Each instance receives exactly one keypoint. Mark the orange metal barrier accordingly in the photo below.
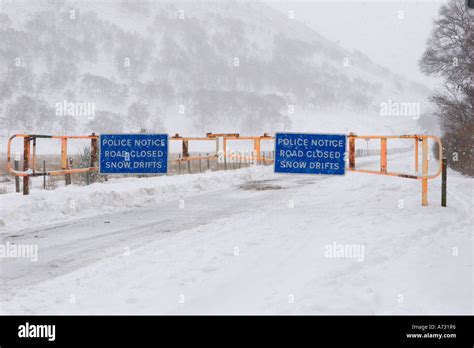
(424, 177)
(226, 137)
(185, 146)
(256, 147)
(29, 160)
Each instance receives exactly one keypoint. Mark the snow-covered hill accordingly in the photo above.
(188, 67)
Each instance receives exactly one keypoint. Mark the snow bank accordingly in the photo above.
(72, 202)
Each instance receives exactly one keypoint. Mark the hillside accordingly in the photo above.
(188, 67)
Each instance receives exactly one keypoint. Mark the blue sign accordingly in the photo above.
(133, 153)
(310, 153)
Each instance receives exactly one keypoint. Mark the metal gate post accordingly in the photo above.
(94, 151)
(64, 160)
(424, 181)
(383, 155)
(416, 155)
(17, 178)
(444, 174)
(351, 151)
(256, 148)
(94, 155)
(26, 165)
(33, 164)
(44, 175)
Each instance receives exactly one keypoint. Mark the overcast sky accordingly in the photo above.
(375, 27)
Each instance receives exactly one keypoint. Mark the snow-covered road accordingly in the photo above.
(260, 245)
(74, 244)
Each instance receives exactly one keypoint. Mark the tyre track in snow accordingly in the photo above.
(65, 247)
(213, 279)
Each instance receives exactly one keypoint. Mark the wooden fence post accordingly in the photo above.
(185, 148)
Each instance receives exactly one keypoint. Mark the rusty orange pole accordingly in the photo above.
(63, 153)
(424, 181)
(33, 164)
(64, 161)
(383, 155)
(351, 151)
(26, 165)
(256, 148)
(416, 155)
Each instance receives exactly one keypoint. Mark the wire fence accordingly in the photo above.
(201, 162)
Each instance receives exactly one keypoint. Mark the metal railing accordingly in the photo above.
(424, 177)
(29, 157)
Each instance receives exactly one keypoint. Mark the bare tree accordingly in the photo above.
(449, 55)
